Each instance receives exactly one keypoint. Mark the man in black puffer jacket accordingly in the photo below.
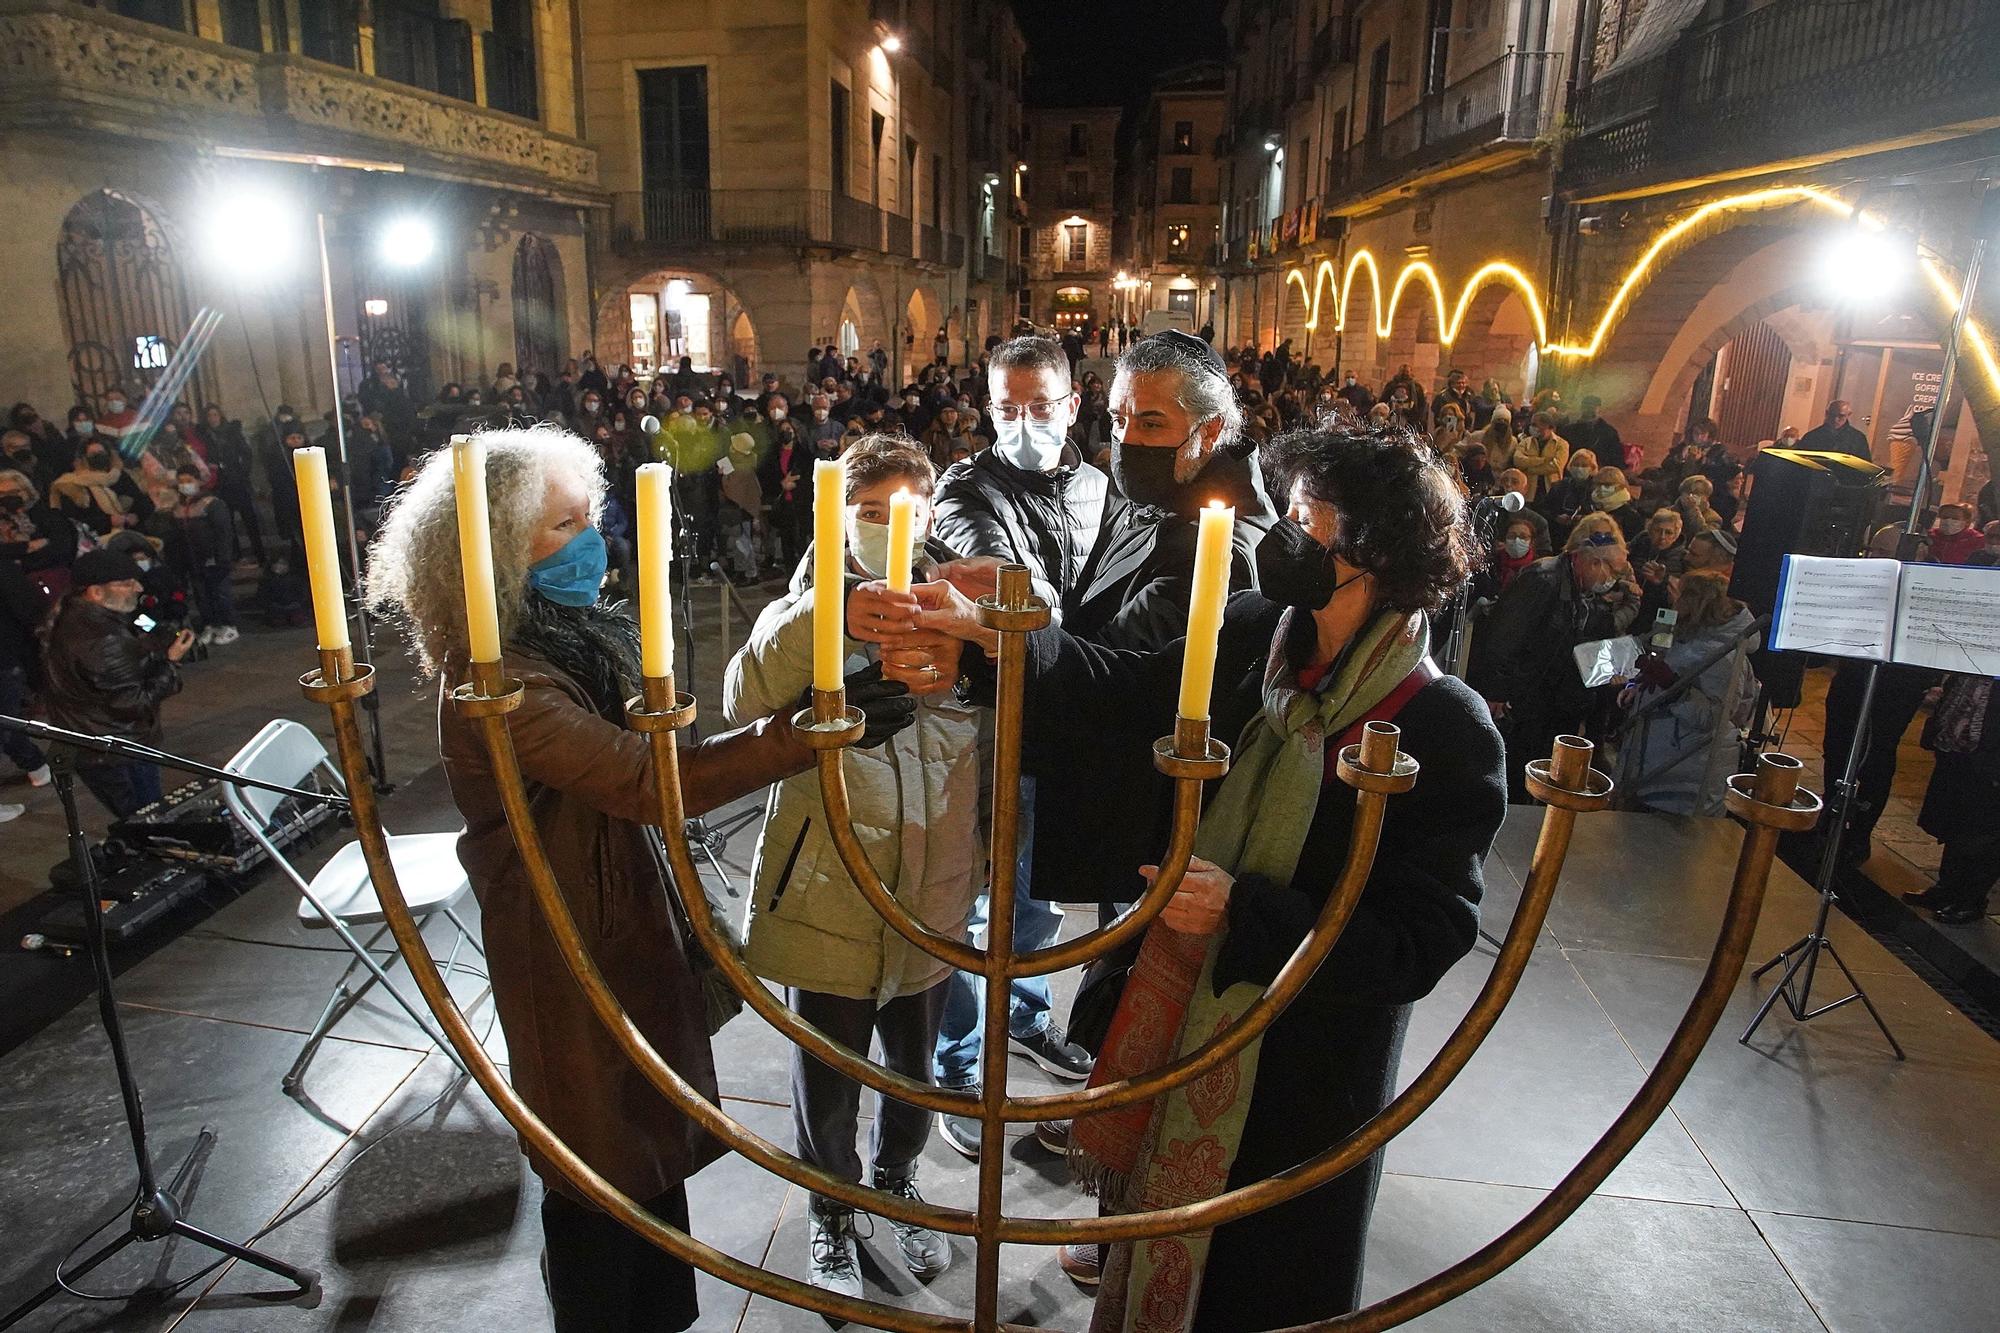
(108, 678)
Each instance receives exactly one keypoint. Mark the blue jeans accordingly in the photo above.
(1036, 925)
(122, 788)
(14, 702)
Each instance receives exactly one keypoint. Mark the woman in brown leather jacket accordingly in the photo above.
(590, 785)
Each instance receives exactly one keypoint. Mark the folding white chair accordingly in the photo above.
(341, 897)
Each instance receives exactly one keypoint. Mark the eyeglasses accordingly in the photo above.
(1042, 410)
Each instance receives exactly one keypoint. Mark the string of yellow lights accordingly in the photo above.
(1313, 291)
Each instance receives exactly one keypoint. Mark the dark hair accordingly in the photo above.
(1030, 353)
(875, 458)
(1402, 516)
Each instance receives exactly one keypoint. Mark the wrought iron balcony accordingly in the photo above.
(1788, 80)
(1507, 101)
(644, 221)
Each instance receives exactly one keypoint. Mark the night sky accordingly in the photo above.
(1106, 52)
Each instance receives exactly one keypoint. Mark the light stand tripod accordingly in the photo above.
(1484, 514)
(156, 1210)
(1801, 959)
(712, 840)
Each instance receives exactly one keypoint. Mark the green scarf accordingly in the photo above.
(1257, 825)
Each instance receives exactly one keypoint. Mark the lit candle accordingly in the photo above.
(322, 552)
(475, 547)
(902, 526)
(1211, 589)
(656, 554)
(829, 573)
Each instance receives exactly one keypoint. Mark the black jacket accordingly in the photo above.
(1048, 521)
(1832, 439)
(105, 677)
(21, 604)
(1521, 655)
(57, 530)
(1136, 585)
(1329, 1062)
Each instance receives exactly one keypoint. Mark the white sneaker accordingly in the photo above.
(833, 1261)
(40, 777)
(8, 812)
(206, 637)
(225, 635)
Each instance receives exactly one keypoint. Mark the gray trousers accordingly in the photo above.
(825, 1104)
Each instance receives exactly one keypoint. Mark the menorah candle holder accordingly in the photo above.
(1769, 801)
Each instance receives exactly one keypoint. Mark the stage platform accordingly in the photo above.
(1806, 1182)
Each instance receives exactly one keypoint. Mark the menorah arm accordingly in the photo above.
(659, 715)
(1377, 769)
(1772, 806)
(338, 685)
(1570, 786)
(627, 1035)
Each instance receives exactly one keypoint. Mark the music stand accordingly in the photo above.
(156, 1211)
(1801, 958)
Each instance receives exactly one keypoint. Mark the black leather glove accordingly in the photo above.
(886, 704)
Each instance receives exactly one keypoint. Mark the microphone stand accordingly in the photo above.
(156, 1209)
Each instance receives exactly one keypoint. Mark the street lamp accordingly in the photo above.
(1865, 263)
(256, 233)
(892, 43)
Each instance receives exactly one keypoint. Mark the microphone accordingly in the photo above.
(649, 425)
(1510, 501)
(33, 942)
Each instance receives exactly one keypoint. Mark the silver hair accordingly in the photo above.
(414, 574)
(15, 479)
(1204, 393)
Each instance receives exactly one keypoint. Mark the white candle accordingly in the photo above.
(829, 573)
(1211, 590)
(475, 547)
(902, 528)
(322, 551)
(656, 556)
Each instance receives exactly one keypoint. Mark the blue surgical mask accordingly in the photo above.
(572, 576)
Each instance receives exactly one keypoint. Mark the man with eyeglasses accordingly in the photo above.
(1837, 435)
(1033, 500)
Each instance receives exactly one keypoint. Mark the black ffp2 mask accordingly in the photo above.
(1295, 570)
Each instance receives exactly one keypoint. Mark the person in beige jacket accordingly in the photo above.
(1542, 454)
(917, 810)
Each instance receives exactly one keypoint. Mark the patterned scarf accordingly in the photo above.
(1179, 1148)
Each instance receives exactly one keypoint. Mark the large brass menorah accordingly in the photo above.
(1769, 802)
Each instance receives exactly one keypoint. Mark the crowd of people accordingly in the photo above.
(1373, 529)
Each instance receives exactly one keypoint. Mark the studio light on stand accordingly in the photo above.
(1865, 264)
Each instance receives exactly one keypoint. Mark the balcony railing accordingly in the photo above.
(419, 49)
(987, 266)
(898, 235)
(675, 217)
(510, 77)
(954, 250)
(930, 244)
(1017, 276)
(1511, 99)
(1791, 78)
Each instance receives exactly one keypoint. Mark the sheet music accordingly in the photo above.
(1844, 608)
(1950, 618)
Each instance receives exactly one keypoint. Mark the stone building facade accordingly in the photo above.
(1176, 200)
(1071, 190)
(784, 175)
(126, 140)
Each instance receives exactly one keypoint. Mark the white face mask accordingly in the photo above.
(116, 405)
(1951, 527)
(1031, 445)
(1607, 494)
(778, 414)
(819, 414)
(1517, 547)
(869, 543)
(189, 488)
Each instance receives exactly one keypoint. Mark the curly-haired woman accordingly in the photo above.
(1374, 537)
(590, 783)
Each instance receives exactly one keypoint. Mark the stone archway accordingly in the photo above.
(541, 328)
(125, 307)
(1496, 339)
(652, 317)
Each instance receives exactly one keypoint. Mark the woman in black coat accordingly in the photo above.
(1374, 536)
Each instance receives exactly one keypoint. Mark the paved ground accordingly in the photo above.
(1806, 1182)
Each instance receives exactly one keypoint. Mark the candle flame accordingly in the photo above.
(1215, 504)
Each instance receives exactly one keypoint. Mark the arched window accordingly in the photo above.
(540, 330)
(124, 303)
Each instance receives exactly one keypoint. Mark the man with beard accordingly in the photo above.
(1174, 423)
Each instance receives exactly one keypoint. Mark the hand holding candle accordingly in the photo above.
(829, 573)
(322, 553)
(656, 553)
(1211, 589)
(475, 547)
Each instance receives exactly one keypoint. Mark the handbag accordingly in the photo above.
(720, 1001)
